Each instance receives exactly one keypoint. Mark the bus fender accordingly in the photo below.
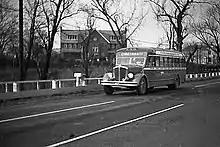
(138, 77)
(107, 76)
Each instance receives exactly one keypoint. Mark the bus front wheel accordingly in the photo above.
(142, 88)
(108, 90)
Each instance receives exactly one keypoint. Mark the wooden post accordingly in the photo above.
(99, 81)
(77, 81)
(59, 84)
(38, 85)
(6, 87)
(15, 87)
(54, 84)
(77, 76)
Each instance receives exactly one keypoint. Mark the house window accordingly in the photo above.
(79, 46)
(64, 45)
(69, 45)
(113, 46)
(113, 38)
(72, 37)
(74, 45)
(95, 49)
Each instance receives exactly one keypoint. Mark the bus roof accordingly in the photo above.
(154, 50)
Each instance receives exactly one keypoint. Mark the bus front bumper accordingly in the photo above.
(119, 83)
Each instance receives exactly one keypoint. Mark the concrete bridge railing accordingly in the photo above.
(78, 80)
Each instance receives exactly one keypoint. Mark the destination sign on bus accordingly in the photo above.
(167, 53)
(131, 54)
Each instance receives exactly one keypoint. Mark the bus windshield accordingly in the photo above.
(130, 61)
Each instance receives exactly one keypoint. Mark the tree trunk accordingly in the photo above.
(21, 47)
(179, 42)
(218, 58)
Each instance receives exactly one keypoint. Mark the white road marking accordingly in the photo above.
(203, 85)
(53, 112)
(114, 126)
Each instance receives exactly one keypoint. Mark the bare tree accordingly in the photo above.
(177, 13)
(89, 27)
(31, 14)
(208, 29)
(169, 36)
(123, 24)
(54, 11)
(8, 25)
(190, 49)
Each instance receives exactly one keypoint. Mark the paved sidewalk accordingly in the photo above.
(50, 92)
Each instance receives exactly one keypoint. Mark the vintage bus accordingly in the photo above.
(141, 69)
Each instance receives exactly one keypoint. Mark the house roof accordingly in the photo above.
(74, 32)
(105, 34)
(106, 38)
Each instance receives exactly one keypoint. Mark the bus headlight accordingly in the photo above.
(130, 75)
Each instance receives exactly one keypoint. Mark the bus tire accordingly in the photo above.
(142, 87)
(176, 84)
(108, 90)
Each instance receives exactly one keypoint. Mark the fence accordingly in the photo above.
(46, 84)
(78, 81)
(202, 76)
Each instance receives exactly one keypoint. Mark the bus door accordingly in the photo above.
(166, 67)
(171, 68)
(153, 71)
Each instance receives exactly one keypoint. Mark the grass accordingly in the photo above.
(12, 74)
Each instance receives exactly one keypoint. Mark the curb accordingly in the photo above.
(26, 95)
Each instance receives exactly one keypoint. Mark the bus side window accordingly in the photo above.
(161, 62)
(168, 62)
(171, 62)
(151, 61)
(183, 62)
(177, 62)
(165, 61)
(157, 61)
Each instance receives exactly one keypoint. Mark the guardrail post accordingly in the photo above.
(77, 76)
(37, 85)
(6, 87)
(99, 81)
(15, 87)
(196, 75)
(83, 80)
(59, 84)
(53, 84)
(77, 81)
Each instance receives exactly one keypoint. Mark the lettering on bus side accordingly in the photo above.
(132, 54)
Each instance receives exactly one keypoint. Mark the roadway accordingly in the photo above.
(188, 116)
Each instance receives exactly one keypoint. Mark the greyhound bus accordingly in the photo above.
(141, 69)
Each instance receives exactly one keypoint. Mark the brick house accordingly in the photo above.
(102, 44)
(202, 56)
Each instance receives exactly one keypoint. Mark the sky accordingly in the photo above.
(149, 34)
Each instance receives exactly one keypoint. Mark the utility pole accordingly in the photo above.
(21, 48)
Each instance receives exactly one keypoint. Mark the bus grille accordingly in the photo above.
(120, 73)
